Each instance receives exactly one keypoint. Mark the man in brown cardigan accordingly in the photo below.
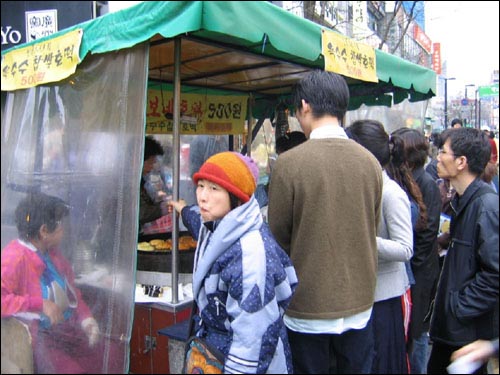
(324, 206)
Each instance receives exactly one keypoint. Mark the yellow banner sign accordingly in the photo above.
(39, 63)
(348, 57)
(200, 114)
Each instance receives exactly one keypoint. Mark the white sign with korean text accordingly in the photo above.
(40, 23)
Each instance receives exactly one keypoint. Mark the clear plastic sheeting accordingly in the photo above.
(80, 140)
(403, 115)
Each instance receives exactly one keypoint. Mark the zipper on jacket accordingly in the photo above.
(453, 208)
(217, 303)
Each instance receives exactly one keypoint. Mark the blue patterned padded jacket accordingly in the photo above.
(242, 282)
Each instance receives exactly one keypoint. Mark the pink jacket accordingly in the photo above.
(21, 272)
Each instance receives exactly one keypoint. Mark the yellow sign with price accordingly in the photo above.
(48, 61)
(348, 57)
(200, 113)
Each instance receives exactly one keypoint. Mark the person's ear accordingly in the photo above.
(462, 162)
(43, 231)
(305, 106)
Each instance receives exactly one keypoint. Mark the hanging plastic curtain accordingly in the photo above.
(71, 163)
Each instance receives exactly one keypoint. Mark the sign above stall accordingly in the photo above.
(42, 62)
(348, 57)
(200, 113)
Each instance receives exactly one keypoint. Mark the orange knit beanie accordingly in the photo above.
(236, 173)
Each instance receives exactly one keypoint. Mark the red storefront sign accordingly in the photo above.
(436, 57)
(422, 38)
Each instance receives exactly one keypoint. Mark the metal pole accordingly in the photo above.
(479, 114)
(471, 114)
(446, 100)
(475, 110)
(467, 99)
(250, 125)
(446, 103)
(176, 168)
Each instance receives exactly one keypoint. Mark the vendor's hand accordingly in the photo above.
(91, 329)
(53, 312)
(178, 205)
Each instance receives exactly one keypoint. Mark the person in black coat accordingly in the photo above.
(425, 260)
(447, 192)
(466, 303)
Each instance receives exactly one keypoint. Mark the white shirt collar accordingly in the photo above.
(29, 245)
(328, 131)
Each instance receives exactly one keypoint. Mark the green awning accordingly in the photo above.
(265, 49)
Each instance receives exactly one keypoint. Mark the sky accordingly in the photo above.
(469, 36)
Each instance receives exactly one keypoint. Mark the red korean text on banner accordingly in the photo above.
(436, 57)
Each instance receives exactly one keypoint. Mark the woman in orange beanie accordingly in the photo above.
(242, 279)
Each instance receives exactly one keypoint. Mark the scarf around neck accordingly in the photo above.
(231, 228)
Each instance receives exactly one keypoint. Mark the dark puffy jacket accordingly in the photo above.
(425, 260)
(466, 303)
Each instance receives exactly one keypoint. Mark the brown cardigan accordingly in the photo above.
(324, 205)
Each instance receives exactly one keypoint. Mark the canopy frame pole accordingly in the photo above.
(176, 168)
(249, 125)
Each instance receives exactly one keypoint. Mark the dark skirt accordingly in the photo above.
(389, 335)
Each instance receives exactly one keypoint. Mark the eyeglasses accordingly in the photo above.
(441, 151)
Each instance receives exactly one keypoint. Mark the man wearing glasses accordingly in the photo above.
(466, 303)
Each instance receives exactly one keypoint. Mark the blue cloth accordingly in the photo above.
(415, 212)
(354, 350)
(494, 183)
(419, 354)
(50, 275)
(261, 195)
(388, 329)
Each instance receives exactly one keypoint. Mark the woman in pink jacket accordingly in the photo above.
(38, 288)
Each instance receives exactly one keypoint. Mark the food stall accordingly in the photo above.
(77, 105)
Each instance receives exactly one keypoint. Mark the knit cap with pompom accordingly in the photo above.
(236, 173)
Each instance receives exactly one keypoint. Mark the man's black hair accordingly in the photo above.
(152, 148)
(473, 144)
(327, 93)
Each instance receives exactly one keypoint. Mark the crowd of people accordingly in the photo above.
(364, 245)
(343, 274)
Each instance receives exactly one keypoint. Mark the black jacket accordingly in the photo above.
(431, 168)
(148, 209)
(466, 304)
(425, 260)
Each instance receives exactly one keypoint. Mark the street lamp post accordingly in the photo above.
(479, 113)
(467, 100)
(469, 85)
(477, 124)
(446, 100)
